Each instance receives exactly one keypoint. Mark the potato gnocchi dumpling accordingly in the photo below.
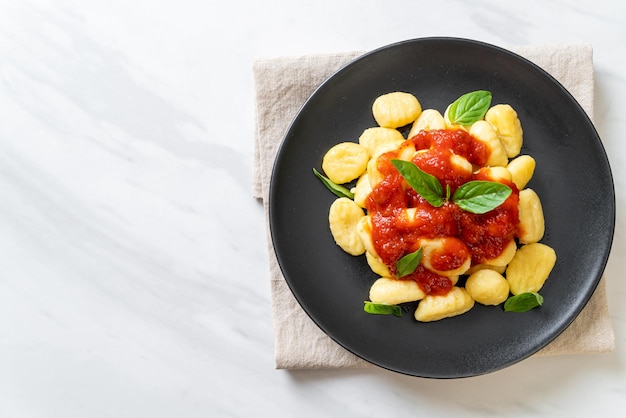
(343, 217)
(377, 265)
(461, 164)
(375, 138)
(487, 287)
(530, 268)
(431, 237)
(374, 176)
(396, 109)
(436, 250)
(429, 119)
(522, 169)
(505, 256)
(394, 292)
(433, 307)
(345, 162)
(484, 132)
(364, 230)
(361, 190)
(499, 174)
(508, 126)
(531, 221)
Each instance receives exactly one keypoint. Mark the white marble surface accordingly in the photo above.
(133, 267)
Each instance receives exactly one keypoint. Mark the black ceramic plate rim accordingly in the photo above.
(283, 256)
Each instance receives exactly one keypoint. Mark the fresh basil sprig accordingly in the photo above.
(408, 263)
(481, 196)
(382, 309)
(523, 302)
(427, 185)
(469, 108)
(337, 189)
(476, 196)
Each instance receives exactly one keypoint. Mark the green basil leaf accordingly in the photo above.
(469, 108)
(481, 196)
(523, 302)
(382, 309)
(338, 190)
(408, 263)
(427, 185)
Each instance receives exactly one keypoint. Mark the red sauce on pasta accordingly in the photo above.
(431, 283)
(401, 217)
(450, 256)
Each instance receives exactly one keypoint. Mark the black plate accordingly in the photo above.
(572, 177)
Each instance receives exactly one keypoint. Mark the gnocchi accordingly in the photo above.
(508, 127)
(345, 162)
(522, 169)
(434, 249)
(428, 120)
(530, 268)
(484, 132)
(397, 221)
(375, 138)
(393, 292)
(531, 221)
(361, 190)
(396, 109)
(343, 217)
(436, 307)
(377, 265)
(487, 287)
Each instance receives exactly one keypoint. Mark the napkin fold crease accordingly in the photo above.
(282, 85)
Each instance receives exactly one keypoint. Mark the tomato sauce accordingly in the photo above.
(401, 217)
(431, 283)
(450, 256)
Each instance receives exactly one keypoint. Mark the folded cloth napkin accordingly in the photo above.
(282, 85)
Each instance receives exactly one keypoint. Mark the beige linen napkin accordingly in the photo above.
(282, 86)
